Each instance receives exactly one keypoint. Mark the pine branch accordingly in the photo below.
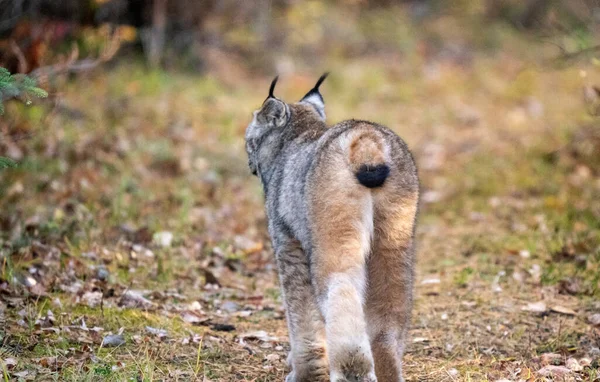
(18, 85)
(7, 163)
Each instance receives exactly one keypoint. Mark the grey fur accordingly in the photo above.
(287, 146)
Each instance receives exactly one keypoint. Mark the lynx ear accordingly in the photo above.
(274, 113)
(315, 99)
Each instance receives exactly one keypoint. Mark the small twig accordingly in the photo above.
(198, 357)
(20, 56)
(572, 56)
(102, 304)
(72, 65)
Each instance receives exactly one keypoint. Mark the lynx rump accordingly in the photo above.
(341, 203)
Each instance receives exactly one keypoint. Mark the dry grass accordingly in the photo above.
(510, 217)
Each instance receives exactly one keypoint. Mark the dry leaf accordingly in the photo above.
(536, 307)
(563, 310)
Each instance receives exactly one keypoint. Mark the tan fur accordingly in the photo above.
(366, 148)
(356, 228)
(342, 204)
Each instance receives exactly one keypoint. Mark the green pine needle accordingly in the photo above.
(18, 85)
(7, 163)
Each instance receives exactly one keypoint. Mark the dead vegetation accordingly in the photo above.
(133, 239)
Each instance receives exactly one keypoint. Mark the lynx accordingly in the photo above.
(341, 203)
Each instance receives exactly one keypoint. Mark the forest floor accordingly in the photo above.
(134, 242)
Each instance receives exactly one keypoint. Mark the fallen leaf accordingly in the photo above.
(135, 299)
(573, 365)
(10, 362)
(272, 357)
(563, 310)
(585, 362)
(192, 318)
(536, 307)
(113, 340)
(260, 335)
(551, 371)
(595, 319)
(157, 332)
(246, 245)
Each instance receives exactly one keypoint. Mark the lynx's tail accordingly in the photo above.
(367, 156)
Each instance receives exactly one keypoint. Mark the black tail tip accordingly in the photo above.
(372, 176)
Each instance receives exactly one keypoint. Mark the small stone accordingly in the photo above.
(595, 319)
(163, 238)
(102, 274)
(113, 340)
(195, 306)
(230, 306)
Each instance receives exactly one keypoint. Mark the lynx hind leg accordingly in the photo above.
(390, 274)
(342, 222)
(306, 329)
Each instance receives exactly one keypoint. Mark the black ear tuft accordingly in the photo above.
(315, 98)
(320, 81)
(272, 88)
(315, 89)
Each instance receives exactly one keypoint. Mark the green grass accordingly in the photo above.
(163, 151)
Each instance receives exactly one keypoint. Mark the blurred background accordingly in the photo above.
(133, 240)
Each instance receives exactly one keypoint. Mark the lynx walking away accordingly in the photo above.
(341, 203)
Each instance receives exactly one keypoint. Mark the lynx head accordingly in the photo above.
(266, 132)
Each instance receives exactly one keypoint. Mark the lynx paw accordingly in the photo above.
(355, 366)
(370, 377)
(310, 366)
(314, 377)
